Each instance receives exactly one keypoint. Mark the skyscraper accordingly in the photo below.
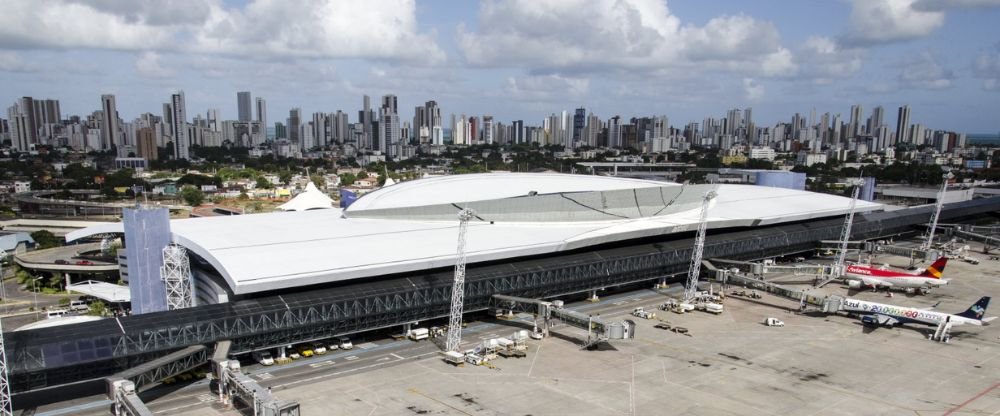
(365, 117)
(109, 122)
(294, 126)
(146, 143)
(855, 124)
(178, 120)
(262, 117)
(243, 105)
(579, 123)
(389, 101)
(488, 136)
(876, 120)
(903, 124)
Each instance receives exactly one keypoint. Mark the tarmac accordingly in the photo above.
(730, 364)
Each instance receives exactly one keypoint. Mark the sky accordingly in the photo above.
(514, 59)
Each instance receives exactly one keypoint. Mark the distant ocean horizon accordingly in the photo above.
(983, 139)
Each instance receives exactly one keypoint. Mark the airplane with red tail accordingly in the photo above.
(858, 276)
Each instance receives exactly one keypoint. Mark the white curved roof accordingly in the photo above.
(485, 186)
(270, 251)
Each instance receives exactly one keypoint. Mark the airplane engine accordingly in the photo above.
(854, 284)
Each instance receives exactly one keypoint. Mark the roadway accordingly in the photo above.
(366, 356)
(48, 260)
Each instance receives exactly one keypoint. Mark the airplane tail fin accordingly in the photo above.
(977, 310)
(935, 270)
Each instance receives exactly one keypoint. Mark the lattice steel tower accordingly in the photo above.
(176, 275)
(699, 247)
(937, 212)
(6, 409)
(458, 289)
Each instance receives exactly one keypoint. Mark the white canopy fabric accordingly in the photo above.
(108, 292)
(311, 198)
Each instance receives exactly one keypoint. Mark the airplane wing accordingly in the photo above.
(931, 307)
(870, 281)
(878, 320)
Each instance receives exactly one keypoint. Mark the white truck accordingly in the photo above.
(710, 307)
(419, 334)
(641, 313)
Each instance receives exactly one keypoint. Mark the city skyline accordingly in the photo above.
(687, 60)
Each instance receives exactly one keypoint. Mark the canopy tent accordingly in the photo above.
(311, 198)
(107, 292)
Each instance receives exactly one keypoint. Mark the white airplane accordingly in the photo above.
(878, 314)
(860, 275)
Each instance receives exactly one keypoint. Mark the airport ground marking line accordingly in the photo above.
(539, 348)
(971, 399)
(631, 389)
(418, 392)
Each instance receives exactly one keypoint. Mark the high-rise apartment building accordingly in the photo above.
(243, 106)
(579, 123)
(146, 143)
(262, 117)
(109, 122)
(294, 126)
(903, 124)
(178, 121)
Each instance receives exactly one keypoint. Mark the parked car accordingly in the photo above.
(294, 355)
(79, 306)
(265, 358)
(345, 343)
(305, 350)
(318, 348)
(332, 345)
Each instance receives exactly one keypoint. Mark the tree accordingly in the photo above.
(97, 308)
(263, 183)
(318, 180)
(285, 177)
(347, 179)
(44, 239)
(192, 196)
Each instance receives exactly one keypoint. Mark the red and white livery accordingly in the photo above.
(866, 276)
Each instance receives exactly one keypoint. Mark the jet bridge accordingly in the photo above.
(242, 391)
(597, 330)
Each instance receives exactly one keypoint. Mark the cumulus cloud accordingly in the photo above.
(987, 67)
(938, 5)
(600, 35)
(546, 87)
(883, 21)
(924, 72)
(384, 29)
(752, 89)
(149, 65)
(824, 60)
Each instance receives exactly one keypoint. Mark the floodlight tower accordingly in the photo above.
(845, 234)
(458, 288)
(699, 247)
(6, 409)
(937, 211)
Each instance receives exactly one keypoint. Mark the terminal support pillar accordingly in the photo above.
(593, 296)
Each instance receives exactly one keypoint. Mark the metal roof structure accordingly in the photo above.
(413, 225)
(108, 292)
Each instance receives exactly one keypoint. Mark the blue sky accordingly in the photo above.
(514, 59)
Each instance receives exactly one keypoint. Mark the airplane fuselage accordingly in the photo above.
(876, 277)
(905, 314)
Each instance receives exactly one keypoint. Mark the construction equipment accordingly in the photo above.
(699, 247)
(458, 288)
(937, 211)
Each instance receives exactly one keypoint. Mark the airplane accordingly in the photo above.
(875, 278)
(878, 314)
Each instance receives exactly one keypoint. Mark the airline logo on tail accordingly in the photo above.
(935, 270)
